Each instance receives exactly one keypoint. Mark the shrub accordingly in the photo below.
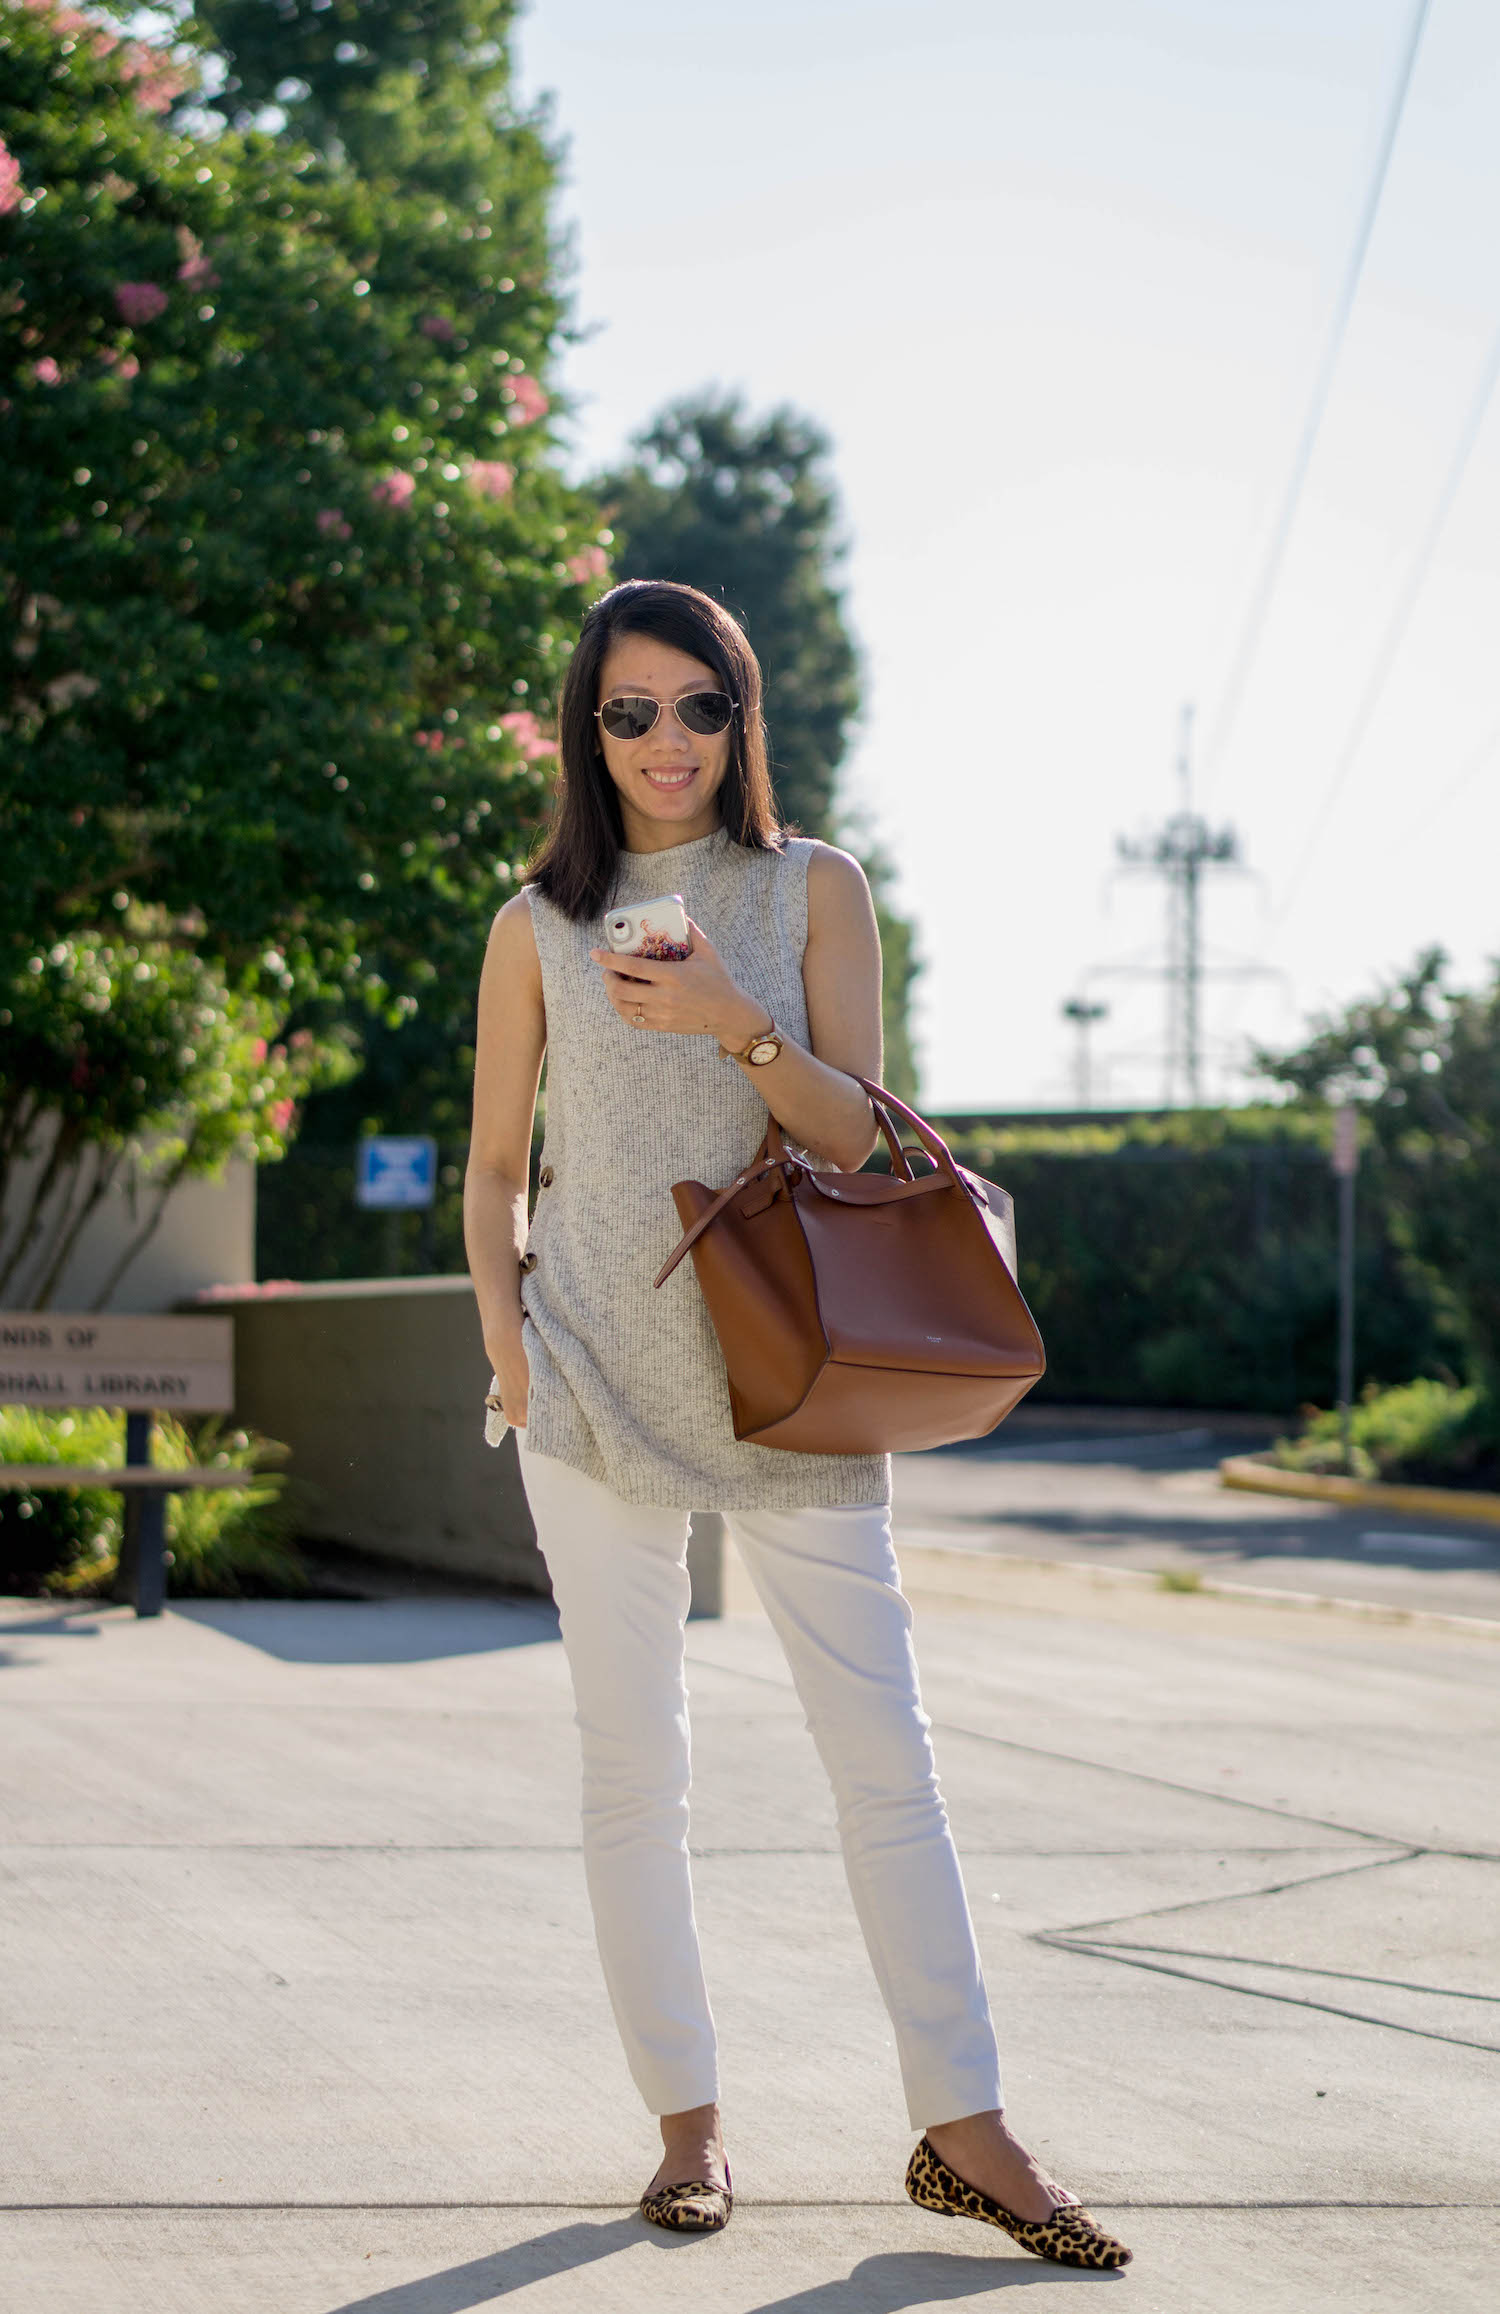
(232, 1543)
(47, 1531)
(1424, 1432)
(1192, 1260)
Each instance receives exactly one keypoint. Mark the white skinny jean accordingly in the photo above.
(829, 1582)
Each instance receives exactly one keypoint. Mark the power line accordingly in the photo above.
(1396, 626)
(1270, 572)
(1423, 820)
(1391, 641)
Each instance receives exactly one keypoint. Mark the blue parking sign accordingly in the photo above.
(396, 1171)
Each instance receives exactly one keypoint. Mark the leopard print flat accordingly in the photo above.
(1071, 2237)
(695, 2207)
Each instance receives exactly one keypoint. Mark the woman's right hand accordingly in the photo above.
(514, 1376)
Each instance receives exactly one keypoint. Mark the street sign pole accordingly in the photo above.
(1345, 1166)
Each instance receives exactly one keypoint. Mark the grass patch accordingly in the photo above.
(1178, 1579)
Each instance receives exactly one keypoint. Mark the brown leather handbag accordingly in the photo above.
(862, 1312)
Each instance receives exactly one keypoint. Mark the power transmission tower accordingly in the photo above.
(1179, 852)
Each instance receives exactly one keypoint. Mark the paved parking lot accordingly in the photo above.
(1141, 1491)
(303, 2015)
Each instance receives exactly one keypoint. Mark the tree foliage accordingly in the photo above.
(286, 543)
(128, 1058)
(1423, 1060)
(743, 508)
(288, 565)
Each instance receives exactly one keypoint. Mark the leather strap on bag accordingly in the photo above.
(774, 1156)
(711, 1212)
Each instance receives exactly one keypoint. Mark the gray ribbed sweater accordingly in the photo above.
(628, 1384)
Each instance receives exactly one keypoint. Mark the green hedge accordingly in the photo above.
(1188, 1260)
(1192, 1261)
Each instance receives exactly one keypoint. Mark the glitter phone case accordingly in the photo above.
(656, 929)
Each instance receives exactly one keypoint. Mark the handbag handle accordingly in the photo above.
(774, 1146)
(932, 1141)
(773, 1154)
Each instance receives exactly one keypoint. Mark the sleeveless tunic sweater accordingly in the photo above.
(628, 1384)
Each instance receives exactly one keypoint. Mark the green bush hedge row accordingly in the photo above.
(1188, 1260)
(1193, 1261)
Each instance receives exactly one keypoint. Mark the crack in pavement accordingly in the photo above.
(1124, 1950)
(741, 2200)
(1074, 1937)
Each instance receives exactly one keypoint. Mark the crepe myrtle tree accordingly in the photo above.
(288, 566)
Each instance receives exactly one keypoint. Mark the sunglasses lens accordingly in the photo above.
(705, 711)
(629, 718)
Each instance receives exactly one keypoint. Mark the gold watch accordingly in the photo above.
(763, 1047)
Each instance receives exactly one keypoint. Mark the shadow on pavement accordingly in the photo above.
(880, 2285)
(1331, 1538)
(901, 2278)
(481, 2280)
(375, 1630)
(1188, 1446)
(66, 1623)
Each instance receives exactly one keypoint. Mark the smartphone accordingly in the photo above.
(656, 929)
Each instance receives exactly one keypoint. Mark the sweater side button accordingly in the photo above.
(528, 1264)
(546, 1177)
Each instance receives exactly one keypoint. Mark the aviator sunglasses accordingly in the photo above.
(631, 714)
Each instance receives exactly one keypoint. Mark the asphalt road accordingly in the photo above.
(1141, 1490)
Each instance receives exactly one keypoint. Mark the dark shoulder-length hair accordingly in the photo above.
(576, 863)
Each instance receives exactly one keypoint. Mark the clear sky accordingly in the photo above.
(1057, 278)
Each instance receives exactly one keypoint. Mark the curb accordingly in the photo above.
(1443, 1502)
(974, 1590)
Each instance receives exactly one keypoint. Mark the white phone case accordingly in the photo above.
(656, 929)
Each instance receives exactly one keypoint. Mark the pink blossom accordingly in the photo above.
(332, 524)
(491, 477)
(195, 269)
(436, 325)
(527, 733)
(123, 365)
(139, 301)
(591, 562)
(282, 1113)
(10, 180)
(258, 1050)
(432, 739)
(527, 399)
(153, 79)
(393, 490)
(46, 372)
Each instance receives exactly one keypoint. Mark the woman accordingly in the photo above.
(659, 1072)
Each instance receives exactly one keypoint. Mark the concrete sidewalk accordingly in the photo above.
(304, 2014)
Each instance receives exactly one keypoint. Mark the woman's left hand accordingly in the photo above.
(693, 997)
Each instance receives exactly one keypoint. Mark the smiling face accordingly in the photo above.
(668, 783)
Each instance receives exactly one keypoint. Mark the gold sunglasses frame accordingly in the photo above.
(698, 693)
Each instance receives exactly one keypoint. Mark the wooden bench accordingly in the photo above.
(144, 1366)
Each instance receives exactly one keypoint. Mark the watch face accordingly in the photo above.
(765, 1050)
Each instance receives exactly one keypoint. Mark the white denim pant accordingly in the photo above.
(829, 1582)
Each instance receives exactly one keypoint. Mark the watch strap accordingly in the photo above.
(761, 1036)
